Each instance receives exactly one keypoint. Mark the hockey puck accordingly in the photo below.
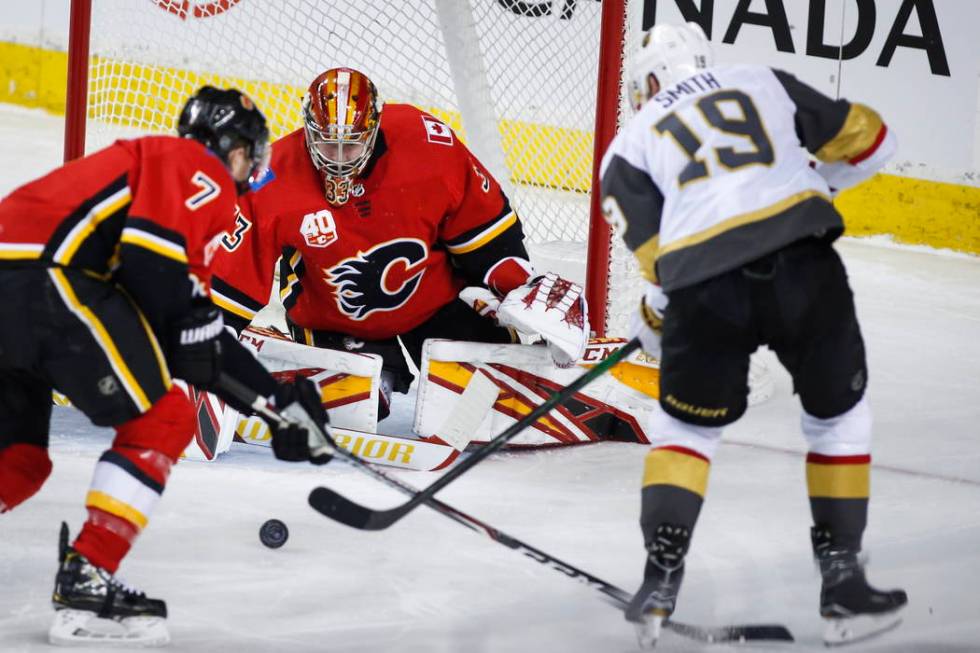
(273, 533)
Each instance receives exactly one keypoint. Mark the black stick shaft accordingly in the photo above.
(617, 596)
(320, 499)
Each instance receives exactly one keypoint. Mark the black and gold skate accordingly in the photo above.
(656, 599)
(92, 605)
(853, 610)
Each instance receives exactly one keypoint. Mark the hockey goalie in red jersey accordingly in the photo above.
(107, 261)
(379, 219)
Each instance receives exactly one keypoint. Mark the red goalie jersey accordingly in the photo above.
(424, 220)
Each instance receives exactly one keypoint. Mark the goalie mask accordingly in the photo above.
(667, 54)
(341, 117)
(223, 119)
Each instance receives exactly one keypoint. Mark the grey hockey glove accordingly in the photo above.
(647, 323)
(194, 354)
(302, 439)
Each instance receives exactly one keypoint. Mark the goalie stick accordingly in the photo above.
(342, 509)
(320, 500)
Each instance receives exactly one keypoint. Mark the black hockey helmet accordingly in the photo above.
(223, 119)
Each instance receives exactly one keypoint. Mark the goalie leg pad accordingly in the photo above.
(614, 406)
(350, 383)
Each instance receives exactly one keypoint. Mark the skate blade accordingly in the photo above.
(82, 628)
(850, 630)
(648, 630)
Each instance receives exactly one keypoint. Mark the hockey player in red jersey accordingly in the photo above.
(381, 218)
(712, 185)
(107, 260)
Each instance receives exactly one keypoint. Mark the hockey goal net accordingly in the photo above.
(519, 80)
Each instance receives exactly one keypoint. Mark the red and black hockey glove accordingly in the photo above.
(194, 352)
(299, 401)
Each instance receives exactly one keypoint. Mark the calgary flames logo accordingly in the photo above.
(364, 282)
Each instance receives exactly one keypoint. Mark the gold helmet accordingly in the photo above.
(341, 117)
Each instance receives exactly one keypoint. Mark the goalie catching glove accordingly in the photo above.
(302, 438)
(648, 321)
(553, 308)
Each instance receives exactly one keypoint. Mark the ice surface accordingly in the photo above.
(430, 586)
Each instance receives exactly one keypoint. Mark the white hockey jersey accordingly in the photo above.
(712, 172)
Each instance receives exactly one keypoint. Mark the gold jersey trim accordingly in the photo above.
(856, 135)
(485, 236)
(738, 221)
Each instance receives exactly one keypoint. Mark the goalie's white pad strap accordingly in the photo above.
(467, 412)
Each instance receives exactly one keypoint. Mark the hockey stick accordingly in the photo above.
(321, 501)
(342, 509)
(355, 515)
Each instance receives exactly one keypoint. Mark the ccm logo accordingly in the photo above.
(595, 354)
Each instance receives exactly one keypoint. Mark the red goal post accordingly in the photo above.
(532, 86)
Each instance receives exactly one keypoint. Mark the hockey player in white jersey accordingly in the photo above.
(712, 187)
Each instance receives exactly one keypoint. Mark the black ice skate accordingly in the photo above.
(854, 611)
(93, 606)
(654, 602)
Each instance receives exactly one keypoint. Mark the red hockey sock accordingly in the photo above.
(105, 539)
(126, 486)
(23, 470)
(130, 477)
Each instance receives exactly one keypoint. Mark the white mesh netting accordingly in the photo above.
(516, 79)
